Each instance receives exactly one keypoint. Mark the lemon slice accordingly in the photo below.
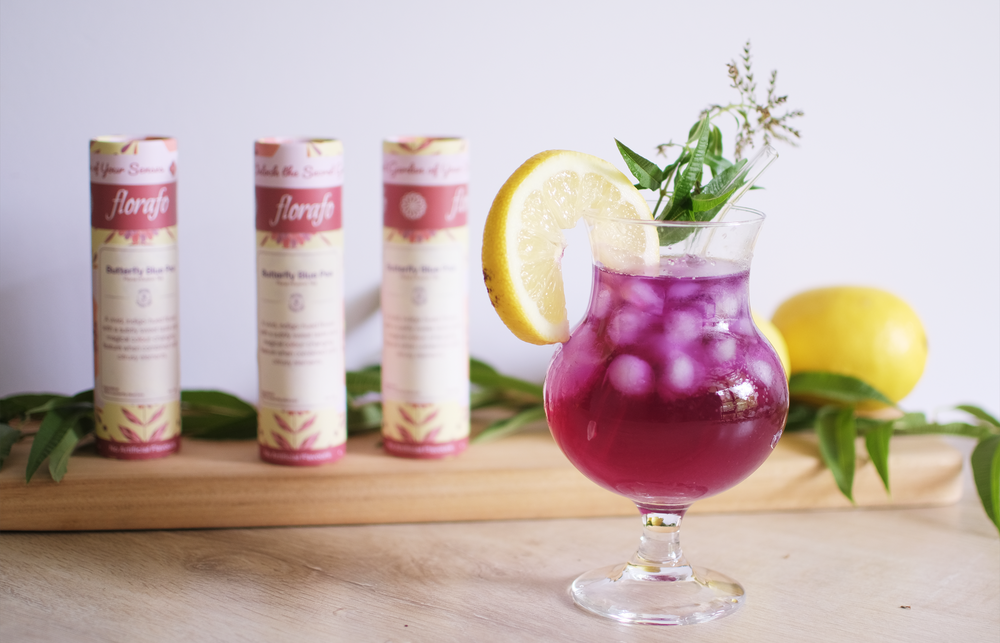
(523, 241)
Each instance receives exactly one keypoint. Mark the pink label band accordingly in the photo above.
(138, 450)
(302, 457)
(424, 450)
(298, 210)
(425, 207)
(133, 207)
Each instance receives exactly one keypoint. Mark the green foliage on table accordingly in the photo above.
(214, 415)
(67, 422)
(825, 402)
(490, 388)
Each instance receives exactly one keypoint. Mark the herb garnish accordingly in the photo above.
(678, 185)
(67, 422)
(823, 402)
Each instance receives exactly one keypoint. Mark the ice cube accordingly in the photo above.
(580, 361)
(682, 326)
(727, 306)
(642, 295)
(631, 375)
(742, 326)
(626, 325)
(680, 372)
(602, 306)
(725, 349)
(763, 371)
(684, 290)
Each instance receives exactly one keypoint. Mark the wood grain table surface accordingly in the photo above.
(908, 575)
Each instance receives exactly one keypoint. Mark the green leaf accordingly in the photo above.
(909, 421)
(214, 415)
(702, 202)
(8, 437)
(59, 458)
(484, 375)
(502, 428)
(17, 406)
(695, 133)
(647, 172)
(907, 427)
(800, 416)
(717, 191)
(483, 397)
(669, 235)
(84, 396)
(680, 200)
(877, 443)
(480, 372)
(715, 143)
(684, 158)
(53, 429)
(42, 409)
(836, 431)
(367, 417)
(986, 473)
(979, 413)
(244, 428)
(367, 380)
(717, 164)
(214, 402)
(831, 387)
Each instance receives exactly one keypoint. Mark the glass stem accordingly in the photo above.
(659, 551)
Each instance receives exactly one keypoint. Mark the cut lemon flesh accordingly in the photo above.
(523, 241)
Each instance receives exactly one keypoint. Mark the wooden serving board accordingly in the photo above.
(225, 484)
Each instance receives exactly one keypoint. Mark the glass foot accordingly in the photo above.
(652, 595)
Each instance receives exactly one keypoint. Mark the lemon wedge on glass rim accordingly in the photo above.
(523, 241)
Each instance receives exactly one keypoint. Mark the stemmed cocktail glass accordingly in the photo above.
(666, 393)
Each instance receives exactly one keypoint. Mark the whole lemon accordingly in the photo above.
(866, 333)
(774, 336)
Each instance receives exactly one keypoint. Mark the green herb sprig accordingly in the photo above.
(678, 185)
(490, 388)
(67, 422)
(822, 402)
(827, 402)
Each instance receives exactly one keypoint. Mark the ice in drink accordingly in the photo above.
(666, 392)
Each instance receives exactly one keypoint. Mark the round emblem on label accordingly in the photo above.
(144, 298)
(419, 295)
(413, 205)
(296, 302)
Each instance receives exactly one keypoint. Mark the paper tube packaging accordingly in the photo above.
(425, 353)
(133, 187)
(300, 301)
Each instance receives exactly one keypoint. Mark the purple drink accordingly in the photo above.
(667, 392)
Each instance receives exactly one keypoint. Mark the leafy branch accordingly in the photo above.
(678, 185)
(827, 402)
(67, 422)
(490, 389)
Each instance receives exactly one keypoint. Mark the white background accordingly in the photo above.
(895, 184)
